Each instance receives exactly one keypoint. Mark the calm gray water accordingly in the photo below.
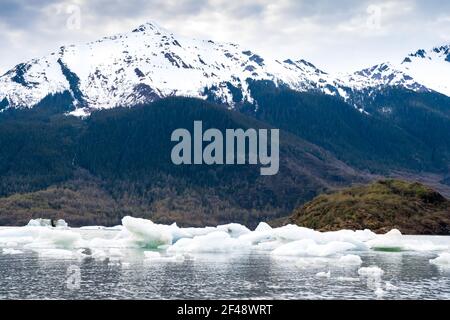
(219, 276)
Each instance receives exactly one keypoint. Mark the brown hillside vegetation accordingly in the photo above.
(380, 206)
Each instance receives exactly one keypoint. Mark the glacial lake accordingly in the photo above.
(129, 273)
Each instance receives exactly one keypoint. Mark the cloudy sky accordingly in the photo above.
(342, 35)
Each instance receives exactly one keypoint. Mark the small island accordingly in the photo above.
(380, 206)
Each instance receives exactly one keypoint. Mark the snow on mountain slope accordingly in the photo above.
(151, 63)
(431, 68)
(380, 75)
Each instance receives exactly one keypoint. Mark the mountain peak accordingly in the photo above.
(437, 52)
(150, 26)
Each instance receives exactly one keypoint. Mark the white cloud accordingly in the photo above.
(347, 36)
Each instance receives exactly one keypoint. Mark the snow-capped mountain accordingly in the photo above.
(424, 70)
(151, 63)
(430, 67)
(384, 74)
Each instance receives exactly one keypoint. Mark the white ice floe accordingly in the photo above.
(311, 262)
(11, 251)
(349, 260)
(379, 292)
(147, 233)
(338, 248)
(262, 226)
(234, 229)
(152, 255)
(389, 286)
(309, 247)
(40, 237)
(98, 254)
(347, 279)
(372, 275)
(214, 242)
(52, 238)
(442, 260)
(395, 241)
(323, 274)
(371, 272)
(58, 254)
(93, 228)
(47, 223)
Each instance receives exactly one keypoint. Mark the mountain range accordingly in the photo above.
(85, 131)
(150, 63)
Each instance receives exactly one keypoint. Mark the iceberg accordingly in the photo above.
(35, 237)
(146, 233)
(323, 274)
(442, 260)
(350, 260)
(371, 272)
(214, 242)
(308, 247)
(58, 254)
(11, 251)
(47, 223)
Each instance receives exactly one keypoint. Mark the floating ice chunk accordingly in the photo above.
(193, 232)
(92, 228)
(99, 255)
(293, 232)
(342, 236)
(308, 263)
(266, 245)
(365, 235)
(373, 276)
(61, 224)
(11, 251)
(146, 233)
(152, 255)
(308, 247)
(115, 252)
(257, 237)
(323, 274)
(53, 238)
(40, 237)
(47, 223)
(371, 272)
(347, 279)
(57, 254)
(18, 235)
(442, 260)
(177, 233)
(262, 226)
(103, 243)
(395, 241)
(234, 229)
(39, 223)
(350, 260)
(379, 292)
(215, 242)
(389, 286)
(393, 233)
(120, 227)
